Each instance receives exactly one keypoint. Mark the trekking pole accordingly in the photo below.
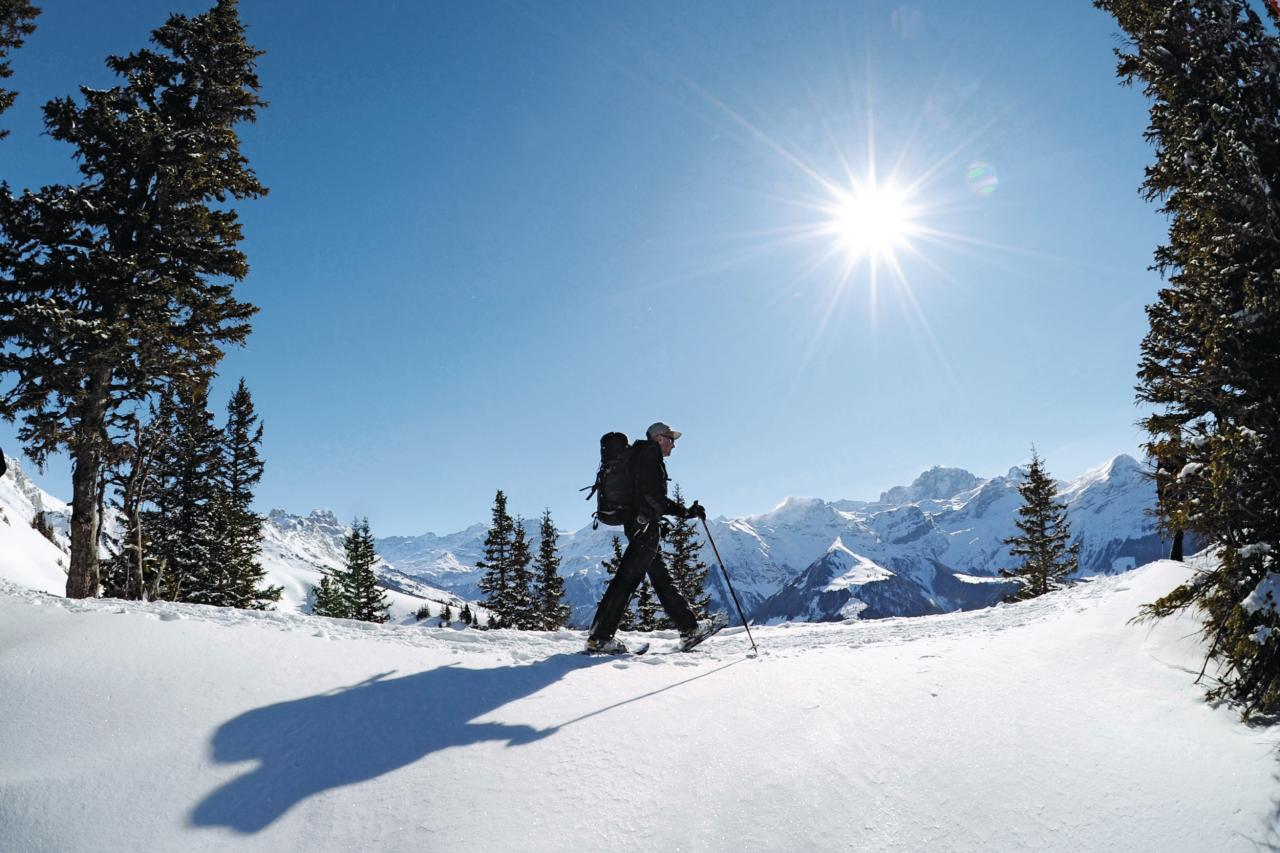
(729, 583)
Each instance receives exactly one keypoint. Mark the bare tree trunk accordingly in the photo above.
(1176, 553)
(83, 575)
(133, 587)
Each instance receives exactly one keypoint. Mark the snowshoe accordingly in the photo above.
(705, 628)
(613, 646)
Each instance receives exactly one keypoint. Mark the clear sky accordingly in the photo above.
(497, 230)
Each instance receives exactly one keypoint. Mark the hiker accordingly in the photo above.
(642, 525)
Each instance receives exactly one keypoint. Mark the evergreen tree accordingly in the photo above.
(552, 612)
(114, 288)
(329, 597)
(497, 564)
(17, 21)
(1210, 367)
(365, 599)
(1047, 559)
(464, 616)
(628, 621)
(240, 528)
(41, 525)
(684, 562)
(520, 605)
(185, 522)
(446, 616)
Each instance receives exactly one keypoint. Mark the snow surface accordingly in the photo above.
(1049, 725)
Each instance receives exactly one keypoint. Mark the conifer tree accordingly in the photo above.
(119, 286)
(521, 607)
(1047, 559)
(185, 522)
(240, 528)
(364, 598)
(17, 21)
(446, 616)
(1210, 367)
(40, 524)
(684, 561)
(329, 597)
(464, 615)
(552, 612)
(497, 563)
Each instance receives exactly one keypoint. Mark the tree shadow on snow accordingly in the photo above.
(354, 734)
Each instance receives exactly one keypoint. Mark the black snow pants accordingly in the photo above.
(643, 556)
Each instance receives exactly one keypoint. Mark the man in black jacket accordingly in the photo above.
(644, 548)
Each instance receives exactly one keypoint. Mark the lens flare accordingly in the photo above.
(981, 178)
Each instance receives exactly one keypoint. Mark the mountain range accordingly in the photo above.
(934, 546)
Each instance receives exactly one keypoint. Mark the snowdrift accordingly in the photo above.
(1049, 725)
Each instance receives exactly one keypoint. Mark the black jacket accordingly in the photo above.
(650, 472)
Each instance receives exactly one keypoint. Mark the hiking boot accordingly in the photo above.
(607, 646)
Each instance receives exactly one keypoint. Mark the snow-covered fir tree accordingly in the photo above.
(520, 607)
(184, 523)
(552, 611)
(1047, 558)
(1210, 367)
(330, 600)
(240, 528)
(120, 286)
(497, 563)
(365, 599)
(40, 524)
(683, 554)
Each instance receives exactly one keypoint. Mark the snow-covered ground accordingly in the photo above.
(1048, 725)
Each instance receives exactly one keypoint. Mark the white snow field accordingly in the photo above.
(1050, 725)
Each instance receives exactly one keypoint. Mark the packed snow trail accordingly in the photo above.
(1049, 725)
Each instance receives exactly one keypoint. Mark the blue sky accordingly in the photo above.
(498, 230)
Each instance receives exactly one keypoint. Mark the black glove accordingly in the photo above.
(696, 510)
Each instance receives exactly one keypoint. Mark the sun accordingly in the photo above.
(871, 221)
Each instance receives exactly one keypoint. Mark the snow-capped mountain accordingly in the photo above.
(295, 551)
(943, 552)
(938, 543)
(933, 546)
(26, 556)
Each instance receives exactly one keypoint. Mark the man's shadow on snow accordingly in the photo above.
(357, 733)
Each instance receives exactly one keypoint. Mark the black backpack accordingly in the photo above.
(614, 488)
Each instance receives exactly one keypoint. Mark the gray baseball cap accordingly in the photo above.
(660, 428)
